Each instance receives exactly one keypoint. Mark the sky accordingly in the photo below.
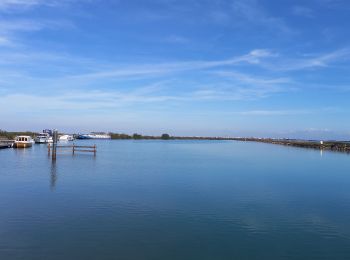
(259, 68)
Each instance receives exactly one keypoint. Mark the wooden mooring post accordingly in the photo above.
(54, 144)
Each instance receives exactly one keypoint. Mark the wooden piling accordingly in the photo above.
(54, 144)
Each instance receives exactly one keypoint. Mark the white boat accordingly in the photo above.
(65, 138)
(42, 138)
(23, 141)
(94, 136)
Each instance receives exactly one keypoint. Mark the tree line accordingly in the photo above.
(12, 135)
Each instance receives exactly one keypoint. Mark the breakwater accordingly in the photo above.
(340, 146)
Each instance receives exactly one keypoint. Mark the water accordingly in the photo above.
(175, 200)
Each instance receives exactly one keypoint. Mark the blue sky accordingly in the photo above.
(201, 67)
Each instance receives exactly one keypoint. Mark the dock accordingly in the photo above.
(6, 143)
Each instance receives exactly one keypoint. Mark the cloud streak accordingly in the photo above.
(105, 100)
(16, 5)
(253, 57)
(303, 11)
(309, 61)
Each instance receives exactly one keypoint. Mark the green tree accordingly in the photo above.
(165, 136)
(137, 136)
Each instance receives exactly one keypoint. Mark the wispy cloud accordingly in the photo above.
(5, 41)
(18, 25)
(276, 112)
(109, 99)
(7, 4)
(303, 11)
(177, 39)
(309, 61)
(245, 78)
(252, 12)
(122, 71)
(12, 28)
(233, 13)
(15, 5)
(335, 4)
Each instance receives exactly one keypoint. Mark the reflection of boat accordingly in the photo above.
(23, 141)
(94, 136)
(42, 138)
(65, 138)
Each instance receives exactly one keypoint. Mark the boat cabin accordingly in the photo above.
(23, 138)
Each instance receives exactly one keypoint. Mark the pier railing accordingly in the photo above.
(74, 148)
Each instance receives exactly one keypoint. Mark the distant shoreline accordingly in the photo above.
(340, 146)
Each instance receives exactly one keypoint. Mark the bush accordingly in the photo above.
(165, 136)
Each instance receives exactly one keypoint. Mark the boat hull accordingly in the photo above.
(66, 138)
(93, 136)
(41, 141)
(22, 145)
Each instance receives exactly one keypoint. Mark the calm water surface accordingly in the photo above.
(175, 200)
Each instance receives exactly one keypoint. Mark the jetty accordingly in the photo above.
(4, 143)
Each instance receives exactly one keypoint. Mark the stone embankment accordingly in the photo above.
(340, 146)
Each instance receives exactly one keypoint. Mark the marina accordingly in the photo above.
(174, 130)
(47, 137)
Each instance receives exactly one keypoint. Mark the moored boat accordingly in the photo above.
(94, 136)
(42, 138)
(23, 141)
(65, 138)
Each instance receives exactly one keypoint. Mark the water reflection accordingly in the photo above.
(21, 151)
(53, 175)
